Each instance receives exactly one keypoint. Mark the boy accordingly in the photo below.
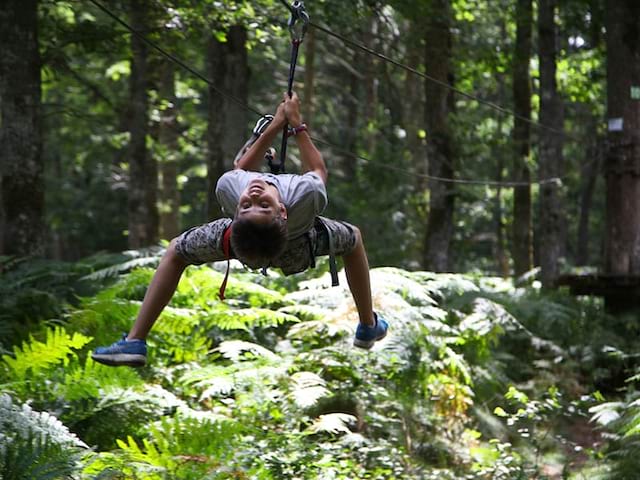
(275, 223)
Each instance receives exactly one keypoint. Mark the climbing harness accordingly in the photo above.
(298, 24)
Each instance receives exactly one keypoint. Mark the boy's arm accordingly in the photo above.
(253, 157)
(311, 157)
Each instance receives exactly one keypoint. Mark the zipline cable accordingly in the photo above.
(462, 93)
(298, 17)
(173, 58)
(186, 67)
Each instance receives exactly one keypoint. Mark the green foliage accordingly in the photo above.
(268, 386)
(36, 445)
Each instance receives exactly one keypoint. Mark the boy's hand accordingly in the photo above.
(292, 109)
(280, 118)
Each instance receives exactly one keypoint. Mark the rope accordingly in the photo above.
(495, 106)
(186, 67)
(173, 58)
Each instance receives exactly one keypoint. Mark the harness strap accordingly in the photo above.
(333, 267)
(226, 248)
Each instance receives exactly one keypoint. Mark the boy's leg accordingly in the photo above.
(195, 246)
(341, 238)
(356, 267)
(161, 289)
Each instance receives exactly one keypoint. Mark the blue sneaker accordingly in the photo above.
(132, 353)
(366, 336)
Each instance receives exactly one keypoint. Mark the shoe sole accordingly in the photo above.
(367, 344)
(118, 359)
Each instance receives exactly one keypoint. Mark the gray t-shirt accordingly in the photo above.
(304, 196)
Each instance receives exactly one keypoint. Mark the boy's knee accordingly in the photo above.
(172, 255)
(357, 239)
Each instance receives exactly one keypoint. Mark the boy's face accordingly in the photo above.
(260, 202)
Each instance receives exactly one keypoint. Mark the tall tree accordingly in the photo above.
(309, 74)
(143, 170)
(169, 195)
(21, 166)
(228, 69)
(550, 154)
(439, 102)
(522, 242)
(622, 243)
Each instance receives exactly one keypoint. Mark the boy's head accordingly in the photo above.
(259, 231)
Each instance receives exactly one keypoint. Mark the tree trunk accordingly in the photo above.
(21, 166)
(439, 148)
(550, 154)
(143, 171)
(309, 76)
(622, 243)
(227, 65)
(168, 140)
(589, 174)
(236, 82)
(414, 104)
(522, 249)
(351, 96)
(500, 250)
(215, 124)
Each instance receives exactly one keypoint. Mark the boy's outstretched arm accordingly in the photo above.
(311, 157)
(253, 158)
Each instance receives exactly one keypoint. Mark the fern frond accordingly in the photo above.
(400, 282)
(36, 445)
(36, 356)
(333, 423)
(115, 270)
(606, 413)
(305, 312)
(246, 318)
(307, 388)
(234, 350)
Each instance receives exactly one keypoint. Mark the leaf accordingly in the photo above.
(233, 350)
(308, 388)
(332, 423)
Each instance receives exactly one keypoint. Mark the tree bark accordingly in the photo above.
(522, 245)
(168, 140)
(438, 104)
(216, 66)
(589, 173)
(143, 170)
(227, 66)
(308, 104)
(622, 242)
(414, 104)
(550, 154)
(21, 165)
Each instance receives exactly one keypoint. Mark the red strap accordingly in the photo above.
(226, 248)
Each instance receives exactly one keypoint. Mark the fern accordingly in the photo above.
(307, 388)
(199, 288)
(35, 356)
(186, 447)
(246, 318)
(138, 258)
(36, 445)
(333, 423)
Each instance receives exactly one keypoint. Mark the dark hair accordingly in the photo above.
(256, 244)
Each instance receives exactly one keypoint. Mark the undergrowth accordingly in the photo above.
(478, 379)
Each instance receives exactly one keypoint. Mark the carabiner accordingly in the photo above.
(298, 13)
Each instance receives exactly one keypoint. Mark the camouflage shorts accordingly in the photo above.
(203, 244)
